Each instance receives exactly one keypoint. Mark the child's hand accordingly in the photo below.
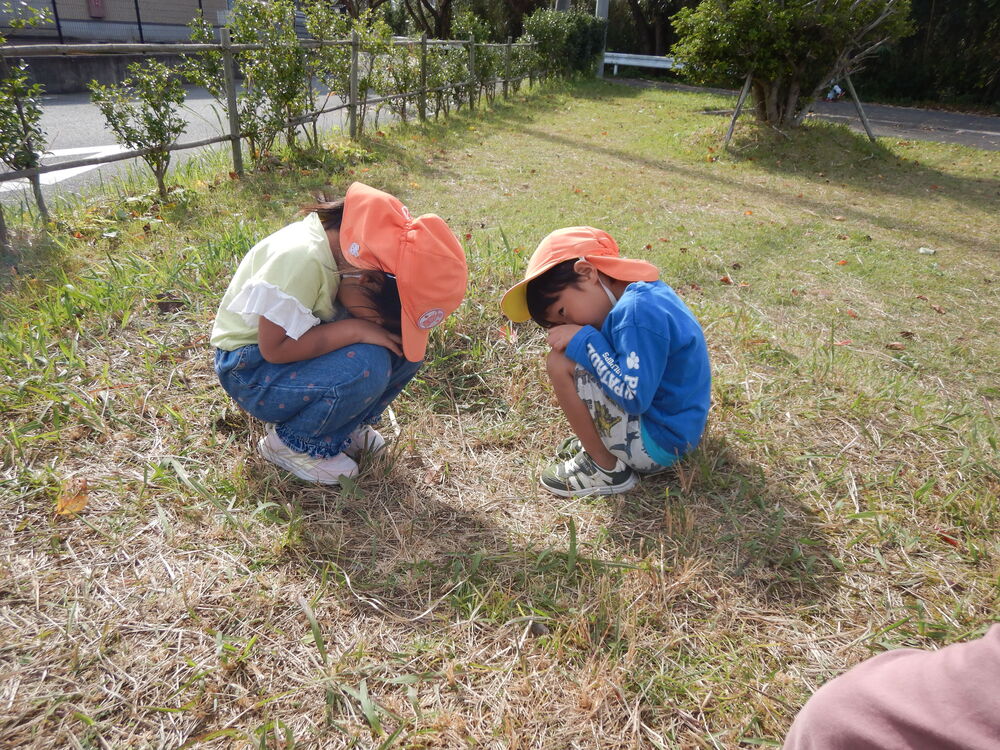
(372, 333)
(560, 336)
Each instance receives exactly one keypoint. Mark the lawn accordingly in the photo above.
(161, 586)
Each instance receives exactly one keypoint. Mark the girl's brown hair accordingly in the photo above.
(331, 213)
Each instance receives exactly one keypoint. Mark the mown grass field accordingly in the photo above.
(844, 500)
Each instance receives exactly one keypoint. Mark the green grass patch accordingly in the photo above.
(843, 501)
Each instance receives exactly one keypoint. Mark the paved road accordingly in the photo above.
(76, 130)
(907, 123)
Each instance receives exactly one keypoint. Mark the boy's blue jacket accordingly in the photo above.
(650, 358)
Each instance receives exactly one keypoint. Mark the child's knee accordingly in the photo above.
(559, 366)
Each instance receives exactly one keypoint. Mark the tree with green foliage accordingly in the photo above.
(570, 41)
(792, 49)
(22, 140)
(142, 112)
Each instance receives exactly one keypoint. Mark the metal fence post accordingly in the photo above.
(138, 22)
(232, 108)
(352, 102)
(422, 101)
(506, 69)
(55, 17)
(472, 72)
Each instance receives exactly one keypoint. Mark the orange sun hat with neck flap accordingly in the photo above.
(574, 243)
(378, 233)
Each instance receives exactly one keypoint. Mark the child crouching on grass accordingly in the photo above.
(327, 319)
(628, 365)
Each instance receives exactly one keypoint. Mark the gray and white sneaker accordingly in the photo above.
(581, 476)
(321, 470)
(364, 439)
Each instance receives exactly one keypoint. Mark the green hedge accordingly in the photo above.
(568, 41)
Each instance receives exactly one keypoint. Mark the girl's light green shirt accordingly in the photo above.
(289, 277)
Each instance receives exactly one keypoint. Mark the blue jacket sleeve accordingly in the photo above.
(629, 366)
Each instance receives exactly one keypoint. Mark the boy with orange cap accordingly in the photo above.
(628, 364)
(326, 320)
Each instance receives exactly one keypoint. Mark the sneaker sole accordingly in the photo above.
(292, 469)
(612, 489)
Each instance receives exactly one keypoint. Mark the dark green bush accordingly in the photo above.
(569, 41)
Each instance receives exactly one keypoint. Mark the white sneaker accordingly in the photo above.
(364, 439)
(304, 466)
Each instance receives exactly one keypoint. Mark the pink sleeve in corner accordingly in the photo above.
(909, 699)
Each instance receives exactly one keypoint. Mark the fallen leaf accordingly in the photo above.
(839, 218)
(468, 235)
(947, 538)
(842, 237)
(845, 342)
(725, 280)
(850, 313)
(841, 262)
(895, 346)
(920, 296)
(649, 247)
(167, 303)
(938, 309)
(748, 213)
(73, 498)
(907, 334)
(736, 266)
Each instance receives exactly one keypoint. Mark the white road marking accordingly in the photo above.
(51, 178)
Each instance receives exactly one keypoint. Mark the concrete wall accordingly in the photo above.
(70, 75)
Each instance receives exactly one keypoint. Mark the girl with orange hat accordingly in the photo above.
(629, 364)
(326, 320)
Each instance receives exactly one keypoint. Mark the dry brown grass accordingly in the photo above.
(843, 501)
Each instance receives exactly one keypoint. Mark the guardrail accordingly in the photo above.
(640, 61)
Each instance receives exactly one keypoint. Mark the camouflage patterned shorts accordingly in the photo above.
(620, 432)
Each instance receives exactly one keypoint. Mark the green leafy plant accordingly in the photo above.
(142, 112)
(792, 48)
(22, 139)
(569, 41)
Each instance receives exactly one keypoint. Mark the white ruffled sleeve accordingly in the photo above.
(262, 298)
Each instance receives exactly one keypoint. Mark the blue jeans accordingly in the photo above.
(315, 403)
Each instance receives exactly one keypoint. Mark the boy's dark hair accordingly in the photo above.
(385, 302)
(331, 213)
(543, 290)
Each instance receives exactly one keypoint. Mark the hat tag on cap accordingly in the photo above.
(431, 318)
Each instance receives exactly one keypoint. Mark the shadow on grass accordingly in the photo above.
(718, 507)
(858, 165)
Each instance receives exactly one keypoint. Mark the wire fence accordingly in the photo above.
(119, 20)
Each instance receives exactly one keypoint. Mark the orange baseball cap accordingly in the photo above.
(592, 245)
(378, 233)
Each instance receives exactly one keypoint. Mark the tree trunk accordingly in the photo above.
(4, 239)
(36, 188)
